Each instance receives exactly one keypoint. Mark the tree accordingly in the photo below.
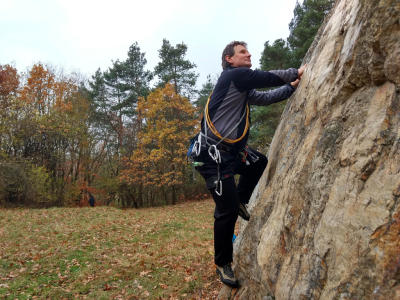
(306, 21)
(175, 69)
(275, 57)
(159, 162)
(44, 135)
(264, 122)
(204, 93)
(265, 119)
(9, 81)
(137, 79)
(115, 94)
(137, 86)
(9, 85)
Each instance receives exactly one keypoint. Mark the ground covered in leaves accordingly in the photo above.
(108, 253)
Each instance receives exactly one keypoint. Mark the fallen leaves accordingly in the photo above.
(164, 286)
(156, 253)
(146, 294)
(144, 273)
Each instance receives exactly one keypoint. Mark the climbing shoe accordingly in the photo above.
(226, 275)
(243, 212)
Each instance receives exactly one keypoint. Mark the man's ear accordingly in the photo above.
(228, 59)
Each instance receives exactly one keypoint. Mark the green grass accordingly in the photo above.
(108, 253)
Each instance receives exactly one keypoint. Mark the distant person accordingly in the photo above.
(222, 148)
(91, 200)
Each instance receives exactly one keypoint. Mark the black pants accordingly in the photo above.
(227, 205)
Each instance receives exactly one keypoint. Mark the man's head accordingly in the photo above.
(236, 55)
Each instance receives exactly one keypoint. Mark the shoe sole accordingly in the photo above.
(224, 281)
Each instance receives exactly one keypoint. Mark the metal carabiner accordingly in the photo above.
(196, 148)
(220, 187)
(254, 158)
(216, 156)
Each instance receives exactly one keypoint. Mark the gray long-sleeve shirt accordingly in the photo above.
(235, 89)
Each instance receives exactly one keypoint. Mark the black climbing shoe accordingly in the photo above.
(243, 212)
(226, 275)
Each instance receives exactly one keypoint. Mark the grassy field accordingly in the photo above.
(108, 253)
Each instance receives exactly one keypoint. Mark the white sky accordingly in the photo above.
(85, 35)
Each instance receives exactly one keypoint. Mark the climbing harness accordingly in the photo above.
(196, 144)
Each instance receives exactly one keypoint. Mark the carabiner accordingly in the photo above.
(196, 148)
(216, 156)
(220, 187)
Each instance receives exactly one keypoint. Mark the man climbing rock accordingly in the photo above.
(221, 148)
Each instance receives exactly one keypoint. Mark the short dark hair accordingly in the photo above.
(230, 51)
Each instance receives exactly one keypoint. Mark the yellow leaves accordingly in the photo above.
(160, 156)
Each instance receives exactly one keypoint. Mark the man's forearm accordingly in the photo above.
(270, 97)
(288, 75)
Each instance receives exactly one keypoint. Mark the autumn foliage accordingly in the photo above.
(63, 135)
(159, 162)
(58, 140)
(44, 137)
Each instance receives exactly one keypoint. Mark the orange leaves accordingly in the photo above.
(9, 80)
(39, 86)
(47, 108)
(160, 157)
(49, 93)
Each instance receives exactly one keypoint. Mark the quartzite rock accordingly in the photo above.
(326, 217)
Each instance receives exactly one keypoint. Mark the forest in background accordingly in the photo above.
(114, 135)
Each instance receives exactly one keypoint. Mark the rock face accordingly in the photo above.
(326, 216)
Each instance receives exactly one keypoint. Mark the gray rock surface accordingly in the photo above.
(325, 216)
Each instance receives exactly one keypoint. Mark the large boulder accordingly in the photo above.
(325, 216)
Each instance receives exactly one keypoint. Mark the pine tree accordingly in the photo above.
(136, 80)
(204, 93)
(275, 57)
(115, 92)
(307, 19)
(175, 69)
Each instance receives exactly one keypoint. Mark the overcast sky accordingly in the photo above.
(86, 35)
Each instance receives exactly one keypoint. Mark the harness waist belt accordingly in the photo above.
(220, 146)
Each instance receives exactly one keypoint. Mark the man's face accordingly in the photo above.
(241, 58)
